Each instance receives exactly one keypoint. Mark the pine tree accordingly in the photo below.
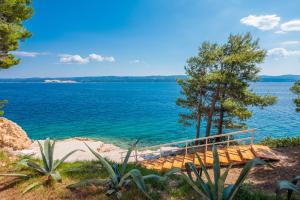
(195, 88)
(217, 85)
(12, 15)
(296, 90)
(242, 54)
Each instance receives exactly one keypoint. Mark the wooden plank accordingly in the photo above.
(264, 152)
(188, 158)
(246, 152)
(223, 157)
(209, 159)
(178, 161)
(168, 164)
(234, 155)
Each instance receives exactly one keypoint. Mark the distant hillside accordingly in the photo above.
(264, 78)
(282, 78)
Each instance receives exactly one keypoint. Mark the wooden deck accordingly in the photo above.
(237, 155)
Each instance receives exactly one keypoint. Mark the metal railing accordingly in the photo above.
(182, 147)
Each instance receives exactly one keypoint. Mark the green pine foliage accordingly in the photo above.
(217, 87)
(12, 15)
(2, 103)
(296, 90)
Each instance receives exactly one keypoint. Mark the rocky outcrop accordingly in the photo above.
(12, 135)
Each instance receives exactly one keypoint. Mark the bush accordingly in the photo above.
(281, 142)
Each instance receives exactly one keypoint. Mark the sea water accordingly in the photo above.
(119, 112)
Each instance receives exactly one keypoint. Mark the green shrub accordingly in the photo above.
(281, 142)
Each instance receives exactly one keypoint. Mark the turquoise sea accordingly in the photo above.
(119, 112)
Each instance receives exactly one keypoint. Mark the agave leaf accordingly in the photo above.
(119, 195)
(36, 167)
(116, 170)
(191, 168)
(56, 176)
(162, 178)
(216, 168)
(294, 181)
(221, 182)
(172, 171)
(209, 182)
(139, 181)
(195, 187)
(31, 187)
(153, 176)
(189, 172)
(14, 175)
(51, 153)
(45, 162)
(227, 191)
(110, 192)
(286, 185)
(84, 183)
(23, 162)
(124, 166)
(107, 166)
(47, 146)
(59, 162)
(244, 173)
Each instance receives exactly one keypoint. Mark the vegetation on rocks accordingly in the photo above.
(281, 142)
(296, 90)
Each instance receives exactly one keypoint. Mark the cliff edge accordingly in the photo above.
(12, 135)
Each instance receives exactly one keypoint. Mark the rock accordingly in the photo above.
(12, 135)
(106, 148)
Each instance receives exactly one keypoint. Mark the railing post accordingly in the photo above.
(252, 137)
(228, 138)
(160, 151)
(205, 145)
(136, 156)
(186, 148)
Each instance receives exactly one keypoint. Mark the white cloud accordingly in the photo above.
(77, 59)
(27, 53)
(262, 22)
(282, 52)
(135, 61)
(279, 32)
(293, 25)
(292, 42)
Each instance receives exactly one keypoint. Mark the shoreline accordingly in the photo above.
(62, 147)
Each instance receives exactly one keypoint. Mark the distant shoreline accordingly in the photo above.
(171, 78)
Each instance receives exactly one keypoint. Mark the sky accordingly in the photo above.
(150, 37)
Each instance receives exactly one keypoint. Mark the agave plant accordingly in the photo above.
(48, 168)
(289, 186)
(216, 189)
(119, 181)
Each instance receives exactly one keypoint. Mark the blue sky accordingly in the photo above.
(150, 37)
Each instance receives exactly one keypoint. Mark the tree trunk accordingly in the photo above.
(222, 110)
(220, 126)
(198, 127)
(211, 112)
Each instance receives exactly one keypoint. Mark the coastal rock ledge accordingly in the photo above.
(12, 135)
